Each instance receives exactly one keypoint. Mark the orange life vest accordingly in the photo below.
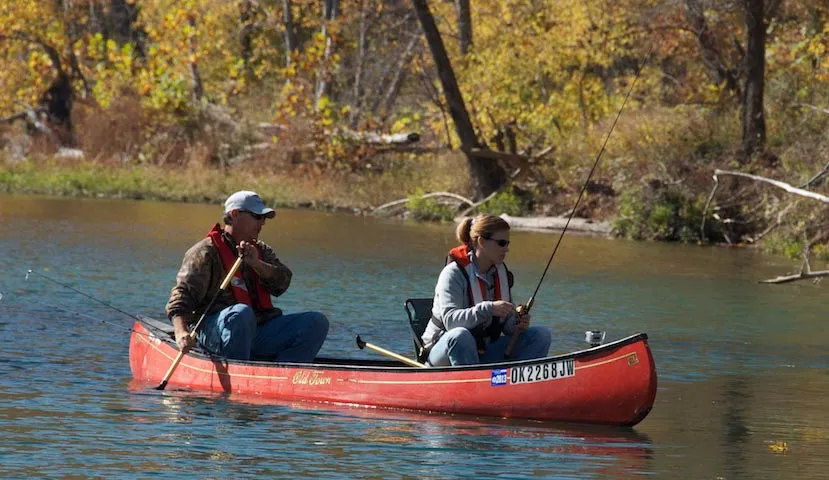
(477, 293)
(237, 284)
(477, 290)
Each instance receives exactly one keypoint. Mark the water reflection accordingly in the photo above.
(742, 366)
(437, 443)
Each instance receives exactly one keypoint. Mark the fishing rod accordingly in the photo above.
(525, 309)
(361, 344)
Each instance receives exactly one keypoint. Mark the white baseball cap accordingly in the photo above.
(249, 202)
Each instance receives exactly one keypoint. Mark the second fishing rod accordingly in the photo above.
(525, 309)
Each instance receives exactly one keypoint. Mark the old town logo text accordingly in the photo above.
(305, 377)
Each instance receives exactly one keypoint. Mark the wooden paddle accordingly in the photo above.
(192, 334)
(401, 358)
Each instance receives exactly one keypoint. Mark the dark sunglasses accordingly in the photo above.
(258, 216)
(501, 243)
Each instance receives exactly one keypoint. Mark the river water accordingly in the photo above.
(742, 366)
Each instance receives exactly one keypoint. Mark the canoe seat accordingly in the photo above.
(419, 311)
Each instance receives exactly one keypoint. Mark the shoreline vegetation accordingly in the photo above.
(91, 180)
(395, 108)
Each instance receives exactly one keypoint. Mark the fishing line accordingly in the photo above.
(65, 285)
(586, 182)
(76, 313)
(90, 317)
(62, 284)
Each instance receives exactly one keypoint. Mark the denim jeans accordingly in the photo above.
(234, 334)
(457, 347)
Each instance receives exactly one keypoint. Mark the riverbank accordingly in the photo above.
(92, 180)
(355, 195)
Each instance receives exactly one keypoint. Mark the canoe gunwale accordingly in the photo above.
(163, 332)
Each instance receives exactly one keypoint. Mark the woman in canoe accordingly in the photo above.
(474, 317)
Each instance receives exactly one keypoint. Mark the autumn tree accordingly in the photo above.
(745, 73)
(487, 175)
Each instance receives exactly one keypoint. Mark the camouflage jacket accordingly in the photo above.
(202, 273)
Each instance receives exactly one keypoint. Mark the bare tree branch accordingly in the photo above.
(776, 183)
(806, 105)
(427, 195)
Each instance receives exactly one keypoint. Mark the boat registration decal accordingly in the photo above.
(499, 377)
(542, 372)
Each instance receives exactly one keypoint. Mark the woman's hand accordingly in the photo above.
(522, 322)
(501, 308)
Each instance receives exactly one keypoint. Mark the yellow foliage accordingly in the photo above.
(542, 64)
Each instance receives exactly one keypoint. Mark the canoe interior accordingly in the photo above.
(164, 331)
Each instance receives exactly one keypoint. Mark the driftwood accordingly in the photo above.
(797, 276)
(776, 183)
(32, 117)
(402, 201)
(805, 270)
(475, 205)
(544, 224)
(374, 138)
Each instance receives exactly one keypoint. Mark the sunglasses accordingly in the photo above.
(258, 216)
(501, 243)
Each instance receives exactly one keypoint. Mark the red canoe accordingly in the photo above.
(612, 384)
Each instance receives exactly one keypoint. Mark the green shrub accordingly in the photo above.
(659, 212)
(781, 243)
(428, 209)
(504, 203)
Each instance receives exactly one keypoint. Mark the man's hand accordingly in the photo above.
(184, 339)
(250, 253)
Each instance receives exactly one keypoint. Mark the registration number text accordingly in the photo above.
(542, 372)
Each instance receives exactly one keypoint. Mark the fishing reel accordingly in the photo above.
(594, 337)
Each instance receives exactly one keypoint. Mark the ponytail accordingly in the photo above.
(470, 229)
(462, 232)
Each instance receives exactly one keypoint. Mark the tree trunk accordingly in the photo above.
(195, 76)
(246, 34)
(487, 174)
(121, 24)
(464, 25)
(329, 13)
(383, 103)
(290, 33)
(753, 117)
(711, 54)
(358, 73)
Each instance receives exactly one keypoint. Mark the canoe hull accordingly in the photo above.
(614, 384)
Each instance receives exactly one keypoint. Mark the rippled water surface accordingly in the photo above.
(743, 367)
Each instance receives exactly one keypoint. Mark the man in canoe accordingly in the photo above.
(242, 323)
(473, 316)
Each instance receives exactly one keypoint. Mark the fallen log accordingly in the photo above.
(797, 276)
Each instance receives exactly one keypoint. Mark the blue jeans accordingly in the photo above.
(234, 334)
(458, 347)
